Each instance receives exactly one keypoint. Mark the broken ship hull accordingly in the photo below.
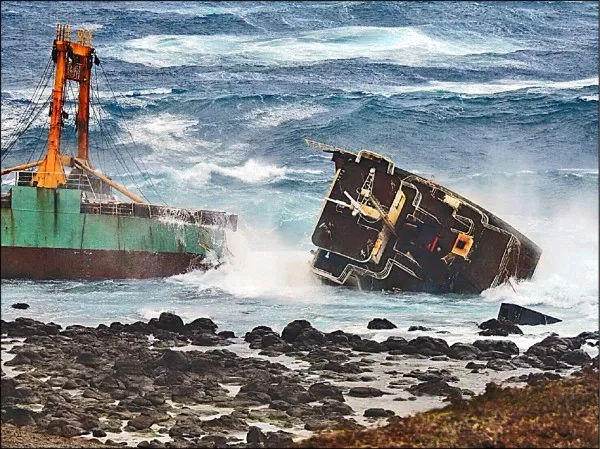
(56, 234)
(383, 228)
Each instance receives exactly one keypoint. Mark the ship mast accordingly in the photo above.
(73, 62)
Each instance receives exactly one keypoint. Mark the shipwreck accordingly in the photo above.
(384, 228)
(61, 217)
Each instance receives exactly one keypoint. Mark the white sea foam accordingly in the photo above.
(252, 172)
(266, 268)
(275, 116)
(491, 88)
(402, 45)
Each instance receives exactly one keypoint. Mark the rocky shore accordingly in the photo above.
(166, 383)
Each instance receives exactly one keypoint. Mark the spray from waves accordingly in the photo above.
(260, 266)
(252, 172)
(402, 45)
(480, 89)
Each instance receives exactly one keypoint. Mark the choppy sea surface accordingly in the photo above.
(497, 101)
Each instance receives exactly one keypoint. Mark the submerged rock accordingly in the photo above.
(381, 323)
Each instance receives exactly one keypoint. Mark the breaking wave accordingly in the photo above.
(491, 88)
(403, 45)
(251, 172)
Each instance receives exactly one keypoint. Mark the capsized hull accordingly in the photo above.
(383, 228)
(66, 263)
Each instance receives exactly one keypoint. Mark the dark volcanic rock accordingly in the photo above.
(365, 392)
(419, 328)
(553, 346)
(494, 325)
(255, 435)
(293, 329)
(170, 322)
(19, 416)
(394, 343)
(378, 413)
(323, 390)
(576, 357)
(279, 439)
(428, 346)
(504, 346)
(433, 388)
(381, 323)
(200, 325)
(464, 351)
(20, 305)
(500, 365)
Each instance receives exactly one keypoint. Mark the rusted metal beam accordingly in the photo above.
(20, 167)
(110, 182)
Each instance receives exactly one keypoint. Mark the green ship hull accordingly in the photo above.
(53, 234)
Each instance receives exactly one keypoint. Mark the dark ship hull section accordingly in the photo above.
(384, 228)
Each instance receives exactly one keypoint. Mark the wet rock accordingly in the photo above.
(365, 345)
(294, 329)
(332, 407)
(225, 423)
(9, 394)
(537, 378)
(175, 360)
(279, 439)
(427, 346)
(508, 327)
(500, 365)
(70, 384)
(226, 334)
(394, 343)
(576, 357)
(255, 435)
(19, 359)
(365, 392)
(493, 355)
(152, 444)
(20, 305)
(381, 323)
(473, 365)
(324, 390)
(504, 346)
(98, 433)
(205, 339)
(64, 428)
(553, 346)
(200, 325)
(419, 328)
(378, 413)
(142, 421)
(433, 388)
(19, 416)
(309, 338)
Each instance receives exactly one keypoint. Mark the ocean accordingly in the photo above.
(496, 101)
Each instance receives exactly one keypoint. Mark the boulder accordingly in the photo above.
(428, 346)
(322, 390)
(279, 439)
(394, 343)
(378, 413)
(20, 305)
(200, 325)
(169, 322)
(464, 351)
(365, 392)
(576, 357)
(255, 435)
(419, 328)
(494, 325)
(504, 346)
(381, 323)
(293, 329)
(433, 388)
